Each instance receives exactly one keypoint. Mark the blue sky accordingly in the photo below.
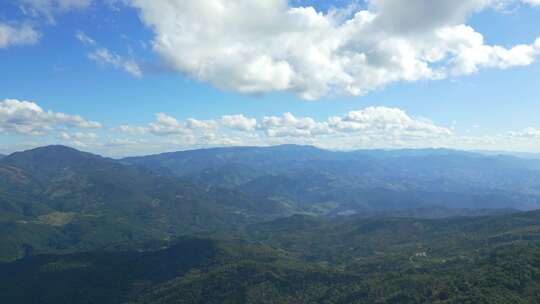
(339, 75)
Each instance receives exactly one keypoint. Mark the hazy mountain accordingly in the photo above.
(57, 198)
(526, 155)
(320, 181)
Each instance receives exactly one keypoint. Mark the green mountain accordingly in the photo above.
(384, 260)
(317, 181)
(57, 199)
(215, 226)
(303, 259)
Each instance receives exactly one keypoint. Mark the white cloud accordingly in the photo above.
(424, 15)
(26, 117)
(379, 125)
(64, 136)
(84, 38)
(261, 46)
(13, 36)
(104, 56)
(527, 133)
(470, 53)
(532, 2)
(372, 127)
(133, 130)
(50, 8)
(202, 125)
(119, 142)
(387, 121)
(77, 136)
(166, 125)
(290, 126)
(238, 122)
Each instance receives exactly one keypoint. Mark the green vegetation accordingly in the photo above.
(56, 199)
(315, 181)
(301, 259)
(285, 224)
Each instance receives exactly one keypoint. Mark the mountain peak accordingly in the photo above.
(54, 148)
(295, 147)
(50, 155)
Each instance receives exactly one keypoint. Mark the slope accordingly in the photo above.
(57, 198)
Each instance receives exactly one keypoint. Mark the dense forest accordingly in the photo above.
(302, 259)
(287, 224)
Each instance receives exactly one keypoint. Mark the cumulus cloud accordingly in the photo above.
(290, 126)
(239, 122)
(14, 36)
(201, 125)
(166, 125)
(376, 124)
(527, 133)
(104, 56)
(387, 121)
(261, 46)
(371, 127)
(27, 118)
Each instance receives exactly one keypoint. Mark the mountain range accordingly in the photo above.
(319, 181)
(58, 199)
(283, 224)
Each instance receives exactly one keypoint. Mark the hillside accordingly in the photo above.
(304, 259)
(325, 182)
(60, 199)
(405, 226)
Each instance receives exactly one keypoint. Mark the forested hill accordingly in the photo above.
(285, 224)
(58, 199)
(303, 259)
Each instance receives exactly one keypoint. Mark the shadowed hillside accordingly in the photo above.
(59, 199)
(303, 259)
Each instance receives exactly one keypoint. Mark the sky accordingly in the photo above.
(134, 77)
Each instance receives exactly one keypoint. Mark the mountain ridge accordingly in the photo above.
(82, 201)
(312, 176)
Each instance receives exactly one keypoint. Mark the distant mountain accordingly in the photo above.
(59, 199)
(2, 156)
(243, 162)
(327, 182)
(526, 155)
